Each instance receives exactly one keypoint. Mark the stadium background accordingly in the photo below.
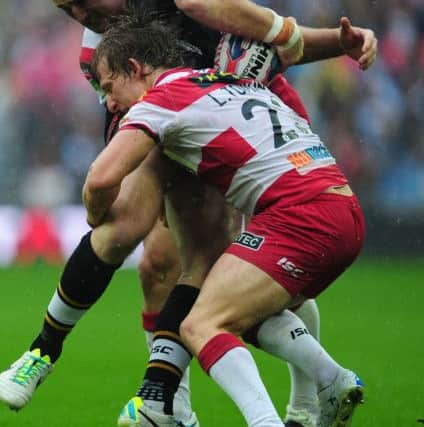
(51, 129)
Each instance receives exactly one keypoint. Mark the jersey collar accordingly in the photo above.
(172, 74)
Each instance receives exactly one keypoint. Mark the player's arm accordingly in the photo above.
(127, 149)
(249, 20)
(240, 17)
(245, 18)
(360, 44)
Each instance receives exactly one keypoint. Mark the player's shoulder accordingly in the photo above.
(180, 88)
(175, 89)
(181, 78)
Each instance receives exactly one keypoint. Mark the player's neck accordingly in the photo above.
(156, 76)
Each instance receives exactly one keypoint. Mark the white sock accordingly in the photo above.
(308, 312)
(238, 376)
(182, 401)
(303, 391)
(63, 312)
(149, 339)
(285, 336)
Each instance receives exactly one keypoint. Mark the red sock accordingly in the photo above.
(215, 348)
(148, 321)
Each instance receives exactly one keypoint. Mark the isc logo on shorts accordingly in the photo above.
(249, 240)
(290, 268)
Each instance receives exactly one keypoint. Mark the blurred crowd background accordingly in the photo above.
(52, 124)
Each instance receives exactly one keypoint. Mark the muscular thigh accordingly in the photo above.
(202, 224)
(285, 253)
(159, 247)
(159, 267)
(237, 295)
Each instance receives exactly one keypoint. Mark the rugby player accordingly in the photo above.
(306, 227)
(91, 267)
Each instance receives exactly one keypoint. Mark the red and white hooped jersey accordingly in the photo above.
(237, 136)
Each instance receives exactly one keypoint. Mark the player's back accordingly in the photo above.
(237, 136)
(203, 38)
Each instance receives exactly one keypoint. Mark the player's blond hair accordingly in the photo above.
(131, 37)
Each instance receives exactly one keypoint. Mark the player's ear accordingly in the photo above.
(136, 68)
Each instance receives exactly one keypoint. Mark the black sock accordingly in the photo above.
(83, 282)
(169, 357)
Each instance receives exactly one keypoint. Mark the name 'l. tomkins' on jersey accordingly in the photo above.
(236, 135)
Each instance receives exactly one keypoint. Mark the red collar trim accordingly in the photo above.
(168, 73)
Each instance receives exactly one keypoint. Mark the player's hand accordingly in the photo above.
(290, 55)
(360, 44)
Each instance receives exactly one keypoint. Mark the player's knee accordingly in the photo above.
(148, 275)
(113, 242)
(190, 330)
(199, 324)
(129, 224)
(124, 242)
(156, 261)
(144, 269)
(155, 267)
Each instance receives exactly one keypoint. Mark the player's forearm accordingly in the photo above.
(321, 43)
(241, 17)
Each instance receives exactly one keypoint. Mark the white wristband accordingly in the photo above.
(277, 26)
(297, 34)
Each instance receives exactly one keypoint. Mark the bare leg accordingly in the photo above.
(235, 296)
(159, 270)
(159, 267)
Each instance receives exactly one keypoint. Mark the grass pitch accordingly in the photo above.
(372, 321)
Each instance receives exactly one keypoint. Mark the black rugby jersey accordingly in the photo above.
(201, 37)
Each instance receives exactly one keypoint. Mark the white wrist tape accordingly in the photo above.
(297, 34)
(277, 26)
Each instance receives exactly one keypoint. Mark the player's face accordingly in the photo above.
(121, 90)
(113, 106)
(93, 14)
